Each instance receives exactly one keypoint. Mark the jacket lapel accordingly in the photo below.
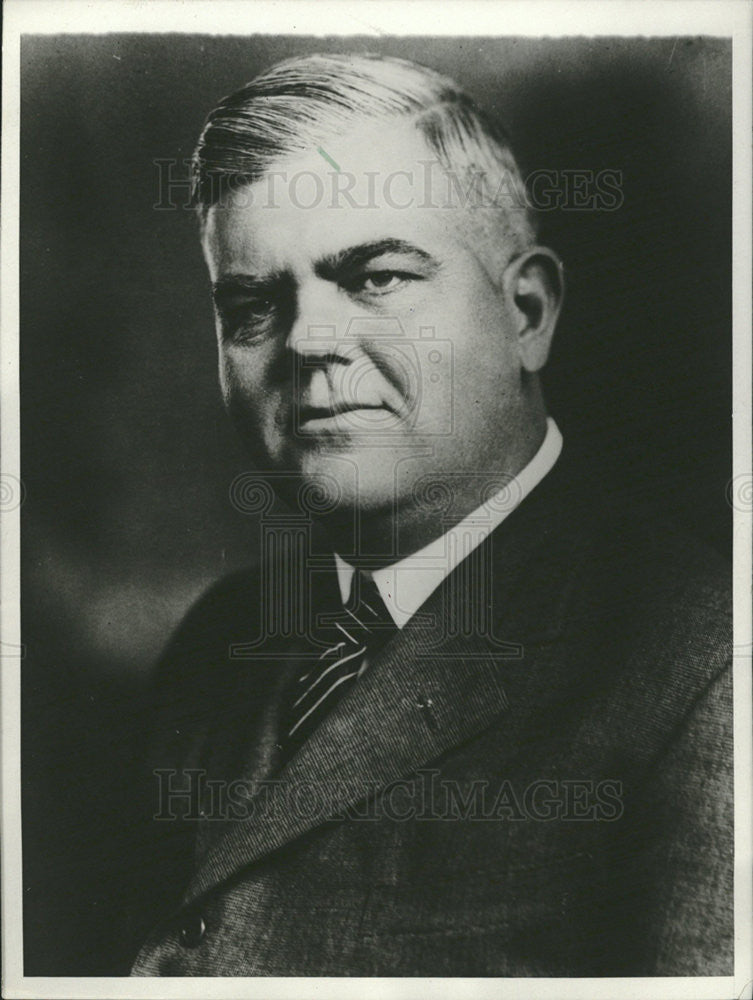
(435, 685)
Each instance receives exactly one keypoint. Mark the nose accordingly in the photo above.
(319, 322)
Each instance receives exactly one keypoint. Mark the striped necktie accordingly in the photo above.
(358, 630)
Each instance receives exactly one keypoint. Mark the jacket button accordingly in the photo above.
(192, 930)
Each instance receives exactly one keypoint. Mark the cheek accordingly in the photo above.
(226, 379)
(486, 339)
(254, 410)
(467, 308)
(241, 380)
(485, 377)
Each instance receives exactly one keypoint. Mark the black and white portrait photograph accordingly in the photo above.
(376, 498)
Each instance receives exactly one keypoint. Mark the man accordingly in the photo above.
(483, 728)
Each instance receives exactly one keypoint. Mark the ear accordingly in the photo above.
(535, 287)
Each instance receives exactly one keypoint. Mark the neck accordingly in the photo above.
(386, 536)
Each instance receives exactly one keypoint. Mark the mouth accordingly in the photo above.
(341, 417)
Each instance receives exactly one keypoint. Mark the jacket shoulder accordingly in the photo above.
(639, 613)
(654, 607)
(199, 651)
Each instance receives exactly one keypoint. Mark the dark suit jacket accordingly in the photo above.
(536, 781)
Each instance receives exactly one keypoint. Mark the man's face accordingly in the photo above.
(363, 337)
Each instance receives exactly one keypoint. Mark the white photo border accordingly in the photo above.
(628, 18)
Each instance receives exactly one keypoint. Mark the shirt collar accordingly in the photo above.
(405, 585)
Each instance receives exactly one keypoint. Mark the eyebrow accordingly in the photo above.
(356, 256)
(233, 284)
(329, 267)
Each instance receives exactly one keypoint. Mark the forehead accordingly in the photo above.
(379, 181)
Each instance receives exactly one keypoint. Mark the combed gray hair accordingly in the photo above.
(298, 103)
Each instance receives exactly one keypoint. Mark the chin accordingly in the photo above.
(336, 484)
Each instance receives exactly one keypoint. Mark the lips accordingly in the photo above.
(307, 412)
(338, 416)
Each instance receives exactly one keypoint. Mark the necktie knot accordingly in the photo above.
(366, 613)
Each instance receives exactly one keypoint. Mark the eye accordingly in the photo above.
(257, 307)
(250, 311)
(378, 282)
(249, 319)
(383, 279)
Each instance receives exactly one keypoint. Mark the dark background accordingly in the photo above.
(127, 458)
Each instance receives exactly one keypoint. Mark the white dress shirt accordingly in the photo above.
(405, 585)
